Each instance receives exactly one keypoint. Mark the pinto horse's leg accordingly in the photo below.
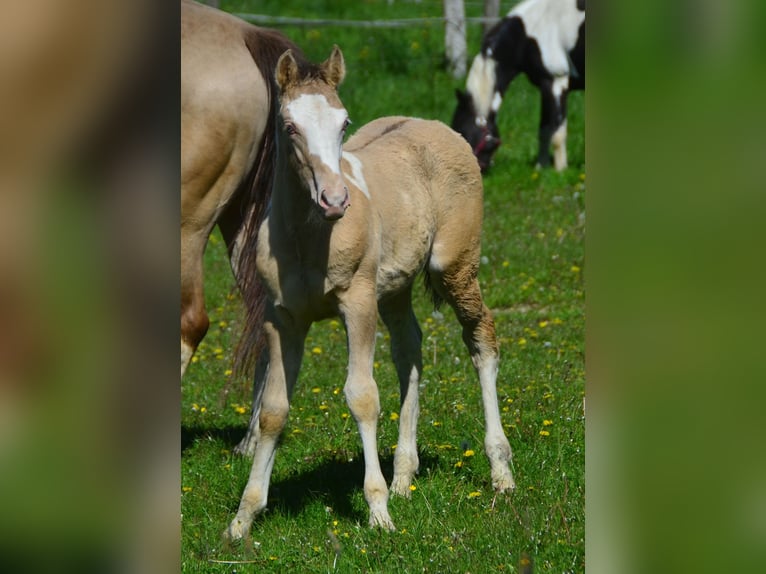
(559, 138)
(285, 341)
(553, 127)
(359, 312)
(459, 287)
(406, 341)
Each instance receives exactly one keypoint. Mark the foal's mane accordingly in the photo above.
(265, 46)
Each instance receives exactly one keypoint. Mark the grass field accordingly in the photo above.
(532, 278)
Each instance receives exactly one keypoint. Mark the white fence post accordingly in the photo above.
(491, 10)
(454, 36)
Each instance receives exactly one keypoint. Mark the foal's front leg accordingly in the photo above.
(285, 341)
(359, 312)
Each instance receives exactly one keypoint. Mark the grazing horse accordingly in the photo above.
(349, 230)
(545, 39)
(226, 144)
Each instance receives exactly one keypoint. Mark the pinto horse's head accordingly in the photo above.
(481, 132)
(314, 121)
(476, 111)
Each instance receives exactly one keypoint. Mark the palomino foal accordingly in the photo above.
(348, 232)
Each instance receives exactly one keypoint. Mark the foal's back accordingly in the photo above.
(425, 186)
(417, 168)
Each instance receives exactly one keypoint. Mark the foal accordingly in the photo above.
(348, 232)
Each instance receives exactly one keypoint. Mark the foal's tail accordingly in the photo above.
(265, 46)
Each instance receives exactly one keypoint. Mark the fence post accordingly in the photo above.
(491, 10)
(454, 36)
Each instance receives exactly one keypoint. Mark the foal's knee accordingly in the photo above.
(362, 399)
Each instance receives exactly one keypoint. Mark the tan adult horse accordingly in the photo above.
(227, 68)
(349, 230)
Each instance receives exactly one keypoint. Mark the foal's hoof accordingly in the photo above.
(246, 446)
(401, 487)
(381, 520)
(504, 483)
(237, 530)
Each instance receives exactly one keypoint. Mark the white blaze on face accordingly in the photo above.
(356, 177)
(321, 126)
(481, 85)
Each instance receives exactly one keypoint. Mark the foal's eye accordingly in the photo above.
(290, 129)
(346, 123)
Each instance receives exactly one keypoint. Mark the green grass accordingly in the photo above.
(531, 277)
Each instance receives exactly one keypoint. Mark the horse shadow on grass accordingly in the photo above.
(334, 482)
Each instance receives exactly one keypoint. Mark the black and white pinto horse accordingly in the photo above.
(545, 39)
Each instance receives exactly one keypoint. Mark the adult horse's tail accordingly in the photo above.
(266, 46)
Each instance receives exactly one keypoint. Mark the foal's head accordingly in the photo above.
(313, 123)
(476, 112)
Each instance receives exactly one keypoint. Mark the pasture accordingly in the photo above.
(532, 279)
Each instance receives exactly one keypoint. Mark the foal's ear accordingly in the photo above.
(334, 67)
(287, 70)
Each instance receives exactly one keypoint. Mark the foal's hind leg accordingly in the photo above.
(406, 340)
(460, 288)
(246, 446)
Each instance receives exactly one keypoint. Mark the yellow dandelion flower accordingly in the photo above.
(316, 390)
(186, 489)
(228, 372)
(223, 324)
(468, 453)
(474, 494)
(344, 415)
(393, 446)
(394, 416)
(522, 342)
(535, 175)
(413, 488)
(582, 177)
(363, 550)
(195, 359)
(195, 407)
(436, 423)
(376, 365)
(542, 324)
(557, 321)
(459, 464)
(544, 433)
(239, 409)
(316, 350)
(272, 558)
(506, 263)
(335, 391)
(203, 409)
(574, 269)
(559, 232)
(547, 423)
(334, 324)
(335, 523)
(323, 407)
(315, 548)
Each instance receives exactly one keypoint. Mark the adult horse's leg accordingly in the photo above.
(458, 285)
(194, 319)
(359, 312)
(285, 341)
(406, 341)
(559, 138)
(553, 128)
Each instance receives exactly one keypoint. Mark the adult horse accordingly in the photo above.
(545, 39)
(226, 145)
(348, 231)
